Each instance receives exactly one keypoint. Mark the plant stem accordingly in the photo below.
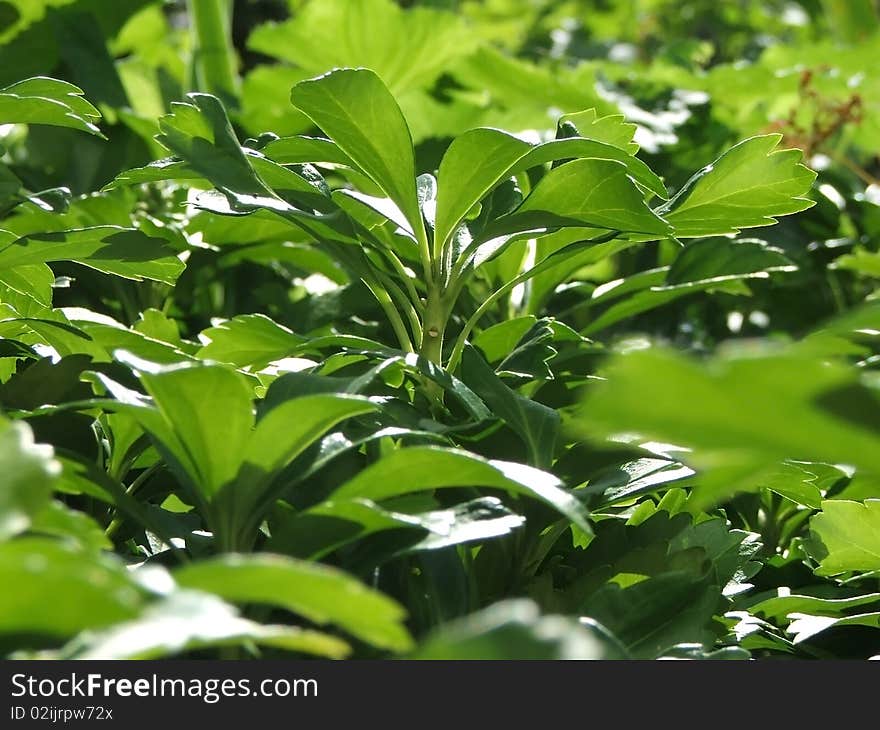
(434, 326)
(130, 491)
(391, 312)
(542, 266)
(458, 348)
(425, 254)
(431, 347)
(362, 267)
(214, 64)
(403, 303)
(407, 280)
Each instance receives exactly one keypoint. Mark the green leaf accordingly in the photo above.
(480, 159)
(265, 100)
(475, 521)
(707, 264)
(748, 186)
(248, 340)
(46, 383)
(805, 626)
(537, 425)
(565, 251)
(587, 192)
(575, 147)
(785, 603)
(202, 423)
(317, 592)
(356, 110)
(473, 164)
(108, 335)
(70, 524)
(712, 258)
(658, 583)
(22, 14)
(410, 363)
(168, 168)
(33, 281)
(527, 93)
(113, 250)
(611, 129)
(860, 261)
(804, 482)
(300, 149)
(27, 474)
(421, 468)
(739, 413)
(42, 569)
(288, 429)
(517, 630)
(187, 621)
(56, 332)
(157, 326)
(330, 525)
(408, 49)
(499, 340)
(10, 186)
(625, 481)
(205, 419)
(41, 100)
(654, 615)
(199, 132)
(845, 536)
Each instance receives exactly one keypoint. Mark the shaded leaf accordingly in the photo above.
(420, 468)
(121, 251)
(536, 424)
(332, 524)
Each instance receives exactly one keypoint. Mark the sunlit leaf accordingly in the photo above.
(748, 186)
(318, 593)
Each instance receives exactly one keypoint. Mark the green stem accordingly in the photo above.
(431, 346)
(434, 326)
(403, 304)
(213, 63)
(425, 254)
(458, 348)
(130, 491)
(130, 310)
(361, 267)
(391, 312)
(407, 280)
(544, 265)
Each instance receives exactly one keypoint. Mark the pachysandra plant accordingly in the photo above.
(417, 241)
(399, 382)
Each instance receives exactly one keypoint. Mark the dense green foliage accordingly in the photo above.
(503, 329)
